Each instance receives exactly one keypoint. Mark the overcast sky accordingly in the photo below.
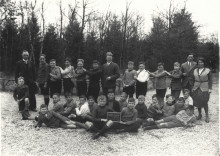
(205, 13)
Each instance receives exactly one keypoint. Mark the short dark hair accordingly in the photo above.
(141, 62)
(190, 107)
(201, 59)
(91, 97)
(186, 91)
(68, 94)
(68, 59)
(95, 61)
(131, 100)
(154, 96)
(160, 64)
(82, 96)
(43, 106)
(111, 91)
(52, 60)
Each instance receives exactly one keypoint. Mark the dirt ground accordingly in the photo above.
(19, 137)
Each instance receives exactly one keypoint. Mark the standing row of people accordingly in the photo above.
(190, 75)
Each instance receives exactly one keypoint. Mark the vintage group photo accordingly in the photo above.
(109, 77)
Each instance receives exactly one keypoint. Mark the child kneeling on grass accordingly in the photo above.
(100, 124)
(129, 121)
(21, 95)
(184, 118)
(53, 120)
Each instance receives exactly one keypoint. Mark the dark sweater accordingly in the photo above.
(111, 70)
(69, 108)
(128, 114)
(142, 111)
(94, 77)
(114, 105)
(51, 119)
(153, 112)
(176, 80)
(101, 112)
(21, 92)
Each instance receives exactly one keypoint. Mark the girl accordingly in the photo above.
(160, 82)
(67, 75)
(202, 88)
(142, 78)
(80, 74)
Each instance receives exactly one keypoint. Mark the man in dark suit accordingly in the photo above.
(187, 69)
(110, 72)
(26, 69)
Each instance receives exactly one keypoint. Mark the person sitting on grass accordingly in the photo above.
(180, 105)
(81, 110)
(141, 108)
(69, 106)
(154, 111)
(111, 102)
(123, 100)
(100, 123)
(184, 118)
(57, 105)
(128, 121)
(21, 95)
(53, 120)
(92, 104)
(188, 99)
(168, 107)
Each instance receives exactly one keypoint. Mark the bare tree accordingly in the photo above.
(43, 23)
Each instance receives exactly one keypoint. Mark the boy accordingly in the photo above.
(129, 121)
(81, 110)
(43, 74)
(122, 102)
(100, 123)
(187, 97)
(57, 105)
(154, 111)
(53, 120)
(55, 83)
(69, 106)
(184, 118)
(92, 104)
(21, 94)
(176, 77)
(112, 103)
(141, 108)
(168, 108)
(180, 105)
(94, 80)
(129, 79)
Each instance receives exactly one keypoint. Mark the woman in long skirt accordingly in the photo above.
(202, 88)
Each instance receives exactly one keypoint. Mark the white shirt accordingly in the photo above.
(67, 72)
(26, 61)
(143, 76)
(84, 109)
(189, 101)
(200, 70)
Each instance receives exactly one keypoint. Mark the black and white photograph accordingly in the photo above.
(109, 77)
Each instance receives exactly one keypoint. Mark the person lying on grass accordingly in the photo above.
(21, 95)
(69, 106)
(53, 120)
(57, 105)
(184, 118)
(100, 123)
(129, 121)
(154, 111)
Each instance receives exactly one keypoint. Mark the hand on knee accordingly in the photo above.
(89, 124)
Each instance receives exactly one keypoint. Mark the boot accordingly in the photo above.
(92, 129)
(207, 119)
(81, 125)
(150, 127)
(199, 117)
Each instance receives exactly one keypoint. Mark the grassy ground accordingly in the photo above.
(20, 138)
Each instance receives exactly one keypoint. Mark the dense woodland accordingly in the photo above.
(90, 34)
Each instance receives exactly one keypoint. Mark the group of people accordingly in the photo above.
(193, 78)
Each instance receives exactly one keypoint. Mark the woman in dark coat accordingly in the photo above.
(202, 88)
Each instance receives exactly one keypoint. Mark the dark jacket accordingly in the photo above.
(189, 71)
(142, 111)
(21, 92)
(101, 113)
(112, 71)
(25, 70)
(94, 77)
(115, 106)
(176, 77)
